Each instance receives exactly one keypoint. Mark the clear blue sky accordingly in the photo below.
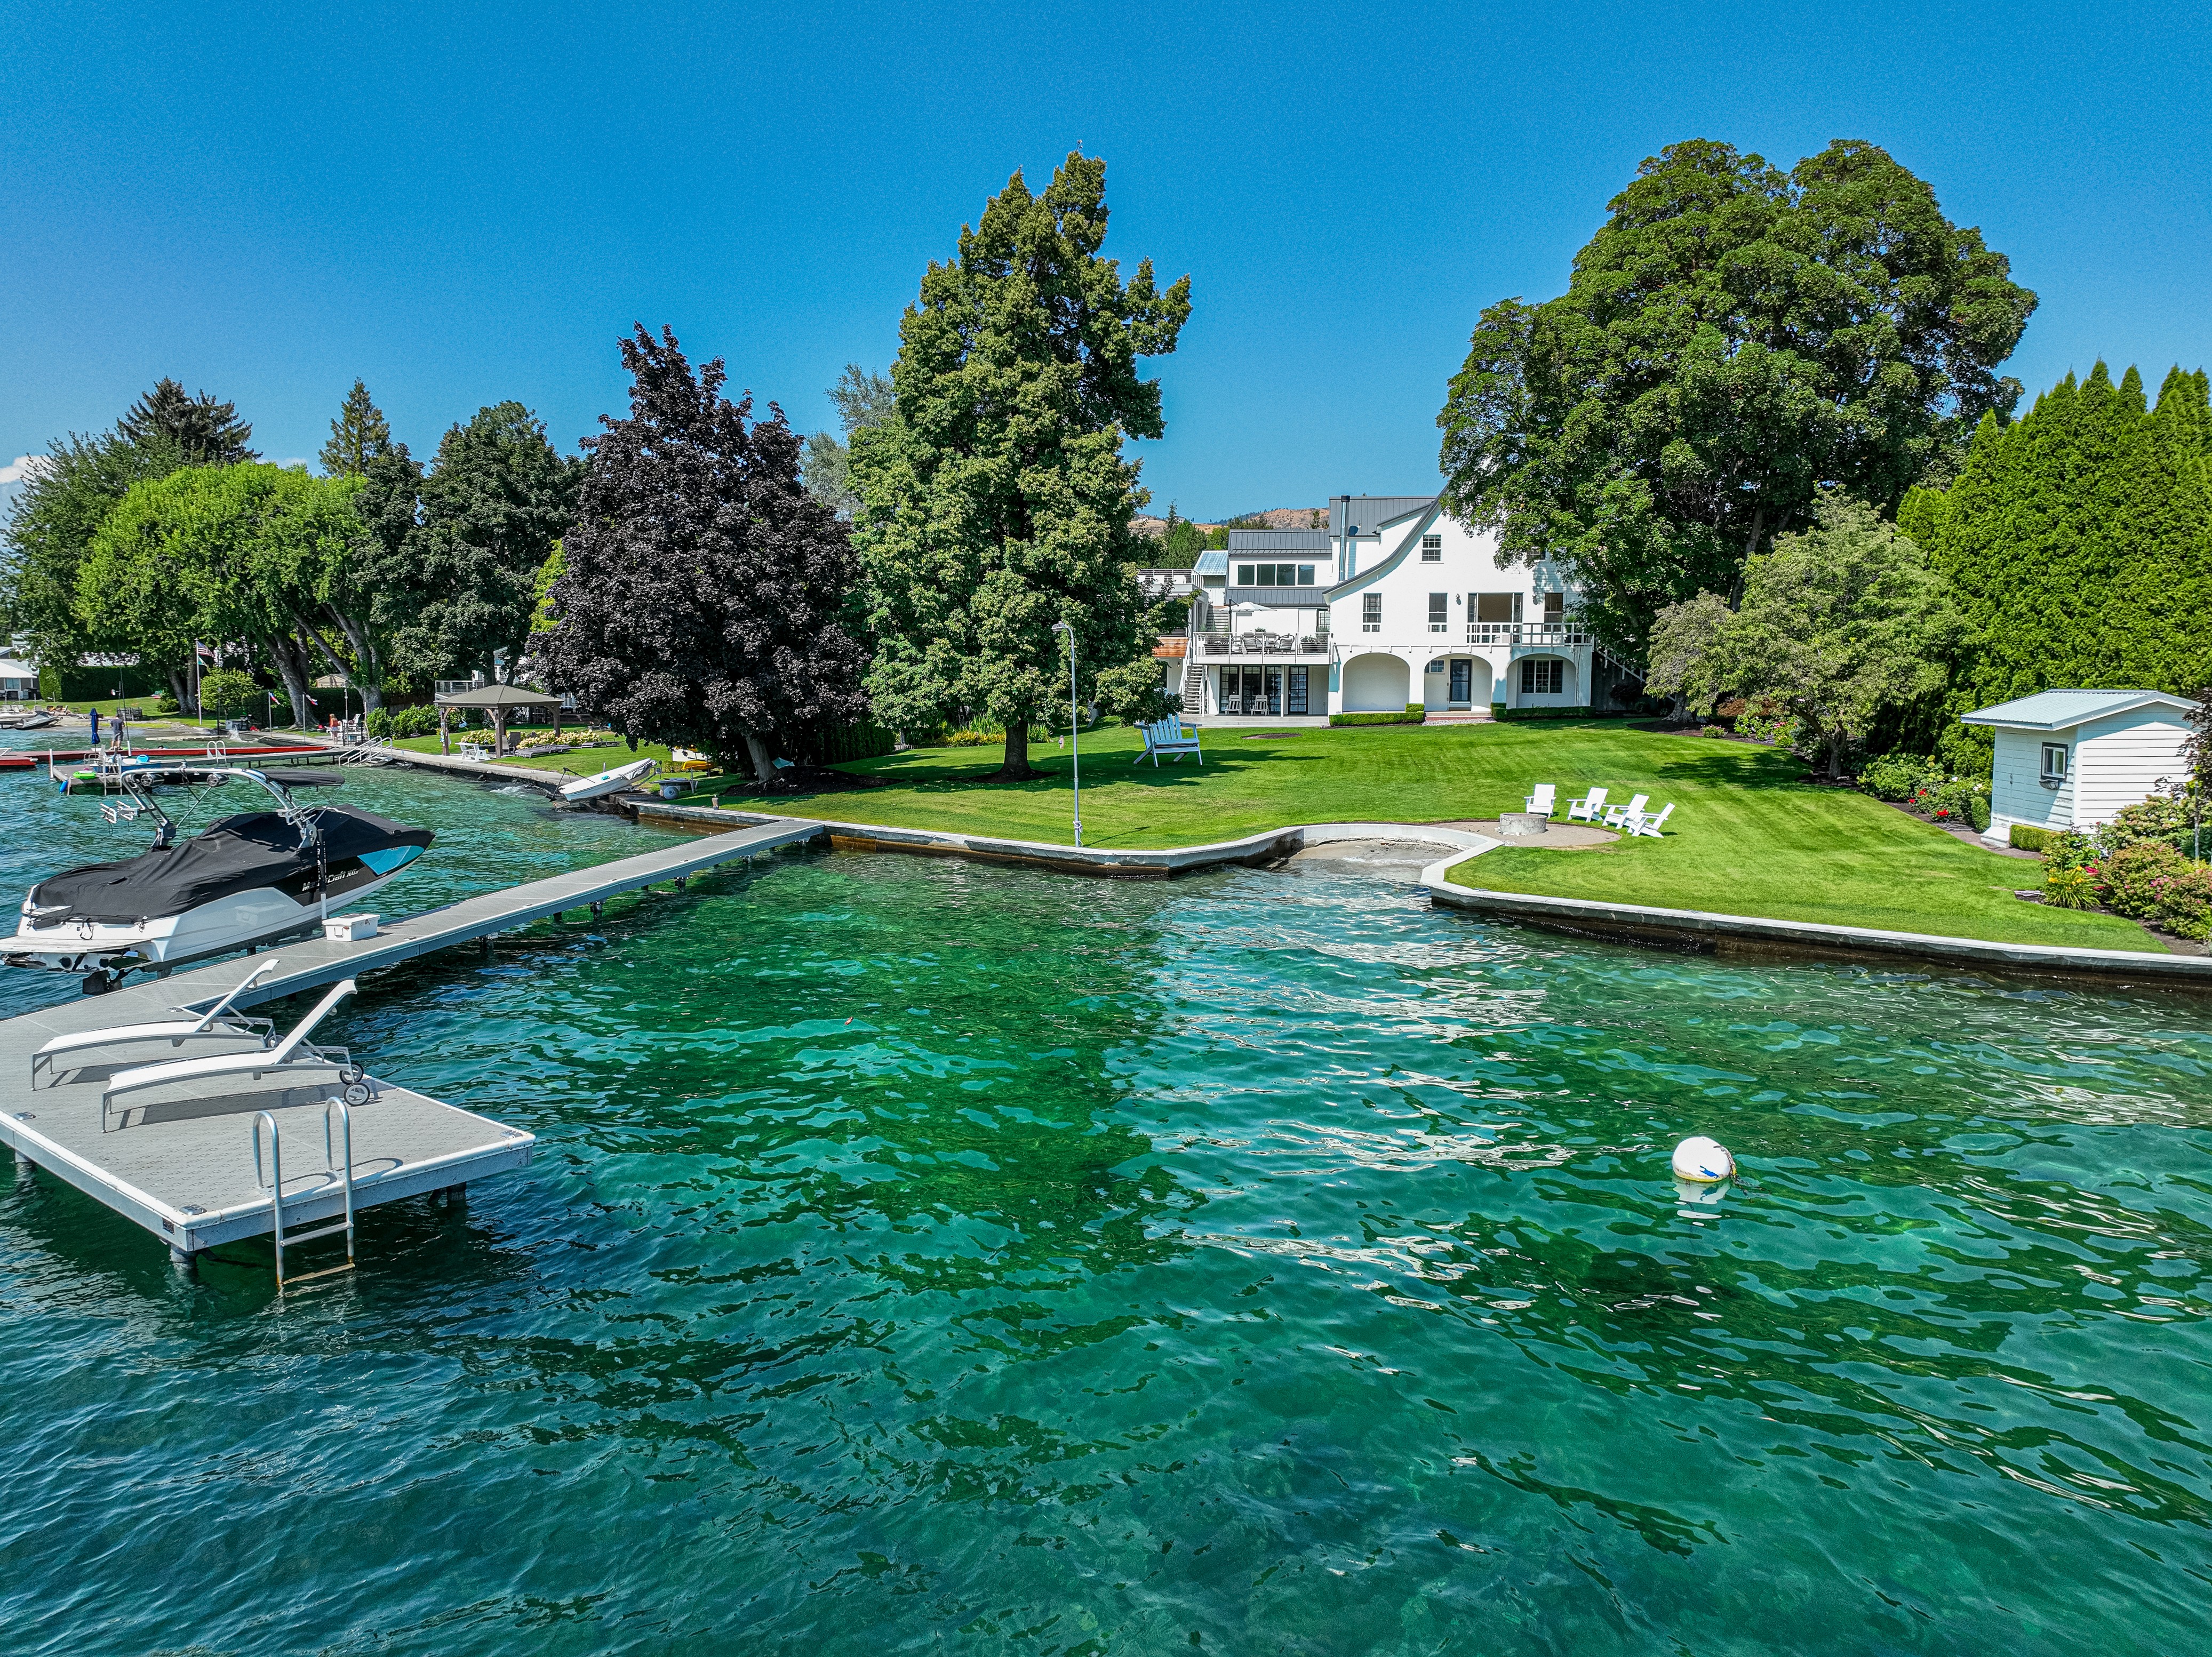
(467, 203)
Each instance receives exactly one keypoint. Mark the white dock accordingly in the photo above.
(184, 1167)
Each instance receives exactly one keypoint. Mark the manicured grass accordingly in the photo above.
(1748, 835)
(579, 761)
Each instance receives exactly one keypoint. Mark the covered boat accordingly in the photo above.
(247, 879)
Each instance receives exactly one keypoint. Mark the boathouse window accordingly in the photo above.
(2054, 762)
(1547, 676)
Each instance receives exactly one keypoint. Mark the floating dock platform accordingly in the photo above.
(193, 1167)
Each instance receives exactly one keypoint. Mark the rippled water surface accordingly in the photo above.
(921, 1256)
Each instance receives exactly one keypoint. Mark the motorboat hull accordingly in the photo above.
(243, 920)
(608, 782)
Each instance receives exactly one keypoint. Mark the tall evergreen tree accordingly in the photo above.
(699, 597)
(207, 431)
(998, 503)
(1734, 339)
(493, 503)
(2079, 541)
(360, 434)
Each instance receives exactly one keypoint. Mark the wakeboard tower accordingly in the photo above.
(247, 879)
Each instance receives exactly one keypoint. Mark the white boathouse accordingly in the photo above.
(2071, 759)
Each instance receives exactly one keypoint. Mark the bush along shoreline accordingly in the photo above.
(2146, 863)
(1921, 785)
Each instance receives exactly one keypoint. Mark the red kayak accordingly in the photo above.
(32, 759)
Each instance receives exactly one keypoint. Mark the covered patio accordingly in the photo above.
(501, 701)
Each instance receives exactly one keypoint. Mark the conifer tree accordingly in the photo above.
(997, 502)
(360, 434)
(2078, 542)
(206, 431)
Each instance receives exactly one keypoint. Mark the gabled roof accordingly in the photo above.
(12, 669)
(1371, 513)
(1211, 563)
(2061, 710)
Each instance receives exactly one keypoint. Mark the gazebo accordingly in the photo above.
(501, 699)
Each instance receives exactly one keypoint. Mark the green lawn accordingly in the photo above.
(1748, 836)
(579, 761)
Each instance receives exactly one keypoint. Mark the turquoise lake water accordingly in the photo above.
(927, 1256)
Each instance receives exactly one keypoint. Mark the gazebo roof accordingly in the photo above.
(499, 696)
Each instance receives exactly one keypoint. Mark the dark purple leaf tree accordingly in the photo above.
(704, 592)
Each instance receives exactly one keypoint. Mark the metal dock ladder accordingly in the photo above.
(274, 1186)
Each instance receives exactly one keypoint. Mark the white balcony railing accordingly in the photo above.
(1528, 633)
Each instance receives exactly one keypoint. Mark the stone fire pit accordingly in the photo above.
(1523, 825)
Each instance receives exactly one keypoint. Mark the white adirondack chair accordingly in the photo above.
(1650, 825)
(1545, 799)
(1169, 736)
(1615, 815)
(1588, 807)
(294, 1055)
(218, 1024)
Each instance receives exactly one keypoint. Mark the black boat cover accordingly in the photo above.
(241, 853)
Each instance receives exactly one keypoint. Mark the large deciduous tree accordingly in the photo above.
(247, 551)
(205, 429)
(1837, 623)
(700, 597)
(997, 502)
(495, 499)
(1733, 340)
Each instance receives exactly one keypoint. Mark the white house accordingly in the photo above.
(2070, 759)
(1393, 604)
(18, 681)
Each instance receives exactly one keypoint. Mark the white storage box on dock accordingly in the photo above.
(349, 929)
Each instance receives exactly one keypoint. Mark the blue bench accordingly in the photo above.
(1170, 737)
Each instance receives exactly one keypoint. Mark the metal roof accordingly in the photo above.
(497, 695)
(2061, 710)
(1315, 541)
(1211, 563)
(1371, 512)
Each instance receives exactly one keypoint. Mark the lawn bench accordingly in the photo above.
(1170, 737)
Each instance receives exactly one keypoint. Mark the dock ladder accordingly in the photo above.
(274, 1184)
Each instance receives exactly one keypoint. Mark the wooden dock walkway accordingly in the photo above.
(184, 1167)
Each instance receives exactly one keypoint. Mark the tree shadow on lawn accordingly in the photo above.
(1771, 769)
(1051, 771)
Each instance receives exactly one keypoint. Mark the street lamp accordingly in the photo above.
(1074, 729)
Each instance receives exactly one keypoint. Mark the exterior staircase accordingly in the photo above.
(1194, 687)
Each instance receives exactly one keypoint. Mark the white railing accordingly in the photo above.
(1528, 632)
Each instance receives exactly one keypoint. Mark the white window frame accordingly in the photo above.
(1370, 612)
(2056, 759)
(1439, 611)
(1432, 549)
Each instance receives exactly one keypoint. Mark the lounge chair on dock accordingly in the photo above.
(293, 1056)
(218, 1024)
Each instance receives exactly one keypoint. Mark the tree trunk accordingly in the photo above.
(177, 690)
(763, 761)
(291, 663)
(498, 731)
(445, 731)
(1017, 766)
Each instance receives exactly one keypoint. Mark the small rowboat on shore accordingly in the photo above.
(608, 782)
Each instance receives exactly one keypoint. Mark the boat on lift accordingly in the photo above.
(247, 879)
(37, 721)
(608, 782)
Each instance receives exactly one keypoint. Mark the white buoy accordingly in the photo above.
(1702, 1160)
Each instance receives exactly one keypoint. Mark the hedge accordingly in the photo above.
(866, 741)
(1414, 714)
(1500, 711)
(2027, 837)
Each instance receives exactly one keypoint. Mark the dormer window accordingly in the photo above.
(1432, 549)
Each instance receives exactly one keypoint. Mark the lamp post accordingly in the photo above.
(1074, 729)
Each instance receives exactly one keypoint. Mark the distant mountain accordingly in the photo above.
(1274, 517)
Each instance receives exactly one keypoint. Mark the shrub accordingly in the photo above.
(165, 703)
(2069, 889)
(1411, 716)
(376, 722)
(2135, 878)
(229, 694)
(1898, 776)
(1767, 720)
(1500, 711)
(1712, 730)
(2184, 901)
(2027, 837)
(2068, 849)
(2167, 818)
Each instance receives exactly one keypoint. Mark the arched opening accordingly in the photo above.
(1376, 683)
(1546, 681)
(1450, 682)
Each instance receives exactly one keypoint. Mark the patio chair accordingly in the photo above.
(1545, 799)
(217, 1024)
(1615, 815)
(1169, 736)
(1588, 807)
(293, 1056)
(1232, 704)
(1650, 825)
